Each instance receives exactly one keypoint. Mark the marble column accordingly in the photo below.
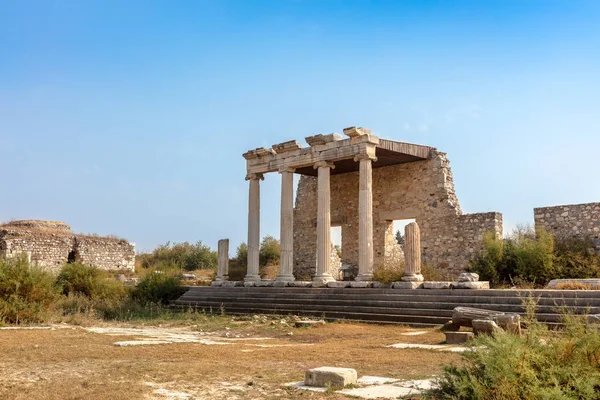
(286, 267)
(223, 265)
(322, 275)
(252, 274)
(412, 253)
(365, 218)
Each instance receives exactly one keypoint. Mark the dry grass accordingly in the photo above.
(575, 286)
(76, 364)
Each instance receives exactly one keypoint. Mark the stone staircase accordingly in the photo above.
(395, 306)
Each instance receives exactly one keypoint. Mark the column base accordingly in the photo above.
(322, 280)
(252, 278)
(413, 278)
(285, 278)
(364, 277)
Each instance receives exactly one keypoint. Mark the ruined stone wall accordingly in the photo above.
(423, 190)
(573, 220)
(50, 248)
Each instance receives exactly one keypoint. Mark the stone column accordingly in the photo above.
(252, 274)
(365, 218)
(223, 266)
(412, 253)
(322, 275)
(286, 267)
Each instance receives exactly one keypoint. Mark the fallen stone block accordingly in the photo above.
(485, 327)
(436, 285)
(471, 285)
(450, 326)
(330, 377)
(306, 323)
(458, 337)
(361, 284)
(464, 316)
(338, 284)
(407, 285)
(509, 322)
(468, 277)
(300, 284)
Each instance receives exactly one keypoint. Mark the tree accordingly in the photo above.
(400, 238)
(241, 254)
(269, 251)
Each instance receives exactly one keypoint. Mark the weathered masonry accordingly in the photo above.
(51, 244)
(572, 220)
(361, 183)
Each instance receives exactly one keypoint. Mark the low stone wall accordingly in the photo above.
(573, 220)
(51, 248)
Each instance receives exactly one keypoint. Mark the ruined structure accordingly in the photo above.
(573, 220)
(361, 183)
(50, 244)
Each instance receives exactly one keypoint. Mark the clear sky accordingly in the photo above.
(130, 117)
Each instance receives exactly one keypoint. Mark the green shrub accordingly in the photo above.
(540, 365)
(534, 257)
(26, 292)
(388, 273)
(184, 255)
(89, 281)
(269, 251)
(158, 287)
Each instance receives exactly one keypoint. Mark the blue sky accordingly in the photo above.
(130, 117)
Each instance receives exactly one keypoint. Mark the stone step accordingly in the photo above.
(445, 306)
(595, 294)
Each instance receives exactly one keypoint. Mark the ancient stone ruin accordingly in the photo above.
(362, 183)
(50, 244)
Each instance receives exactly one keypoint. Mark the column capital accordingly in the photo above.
(252, 176)
(365, 156)
(287, 169)
(324, 164)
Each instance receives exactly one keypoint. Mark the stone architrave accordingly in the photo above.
(412, 253)
(286, 271)
(365, 217)
(252, 274)
(322, 275)
(223, 265)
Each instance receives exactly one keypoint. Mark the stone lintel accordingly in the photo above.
(319, 139)
(354, 131)
(259, 152)
(285, 147)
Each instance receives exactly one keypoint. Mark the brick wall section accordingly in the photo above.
(573, 220)
(423, 190)
(50, 249)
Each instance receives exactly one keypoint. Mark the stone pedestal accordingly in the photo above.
(287, 227)
(252, 274)
(322, 275)
(223, 263)
(412, 253)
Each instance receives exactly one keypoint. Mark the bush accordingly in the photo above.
(534, 257)
(158, 287)
(185, 255)
(269, 251)
(89, 281)
(26, 292)
(241, 255)
(539, 365)
(388, 273)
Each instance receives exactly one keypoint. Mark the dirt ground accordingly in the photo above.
(244, 359)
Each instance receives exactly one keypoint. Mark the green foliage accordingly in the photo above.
(158, 287)
(26, 292)
(388, 273)
(269, 251)
(89, 281)
(241, 255)
(535, 257)
(399, 237)
(184, 255)
(338, 250)
(540, 365)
